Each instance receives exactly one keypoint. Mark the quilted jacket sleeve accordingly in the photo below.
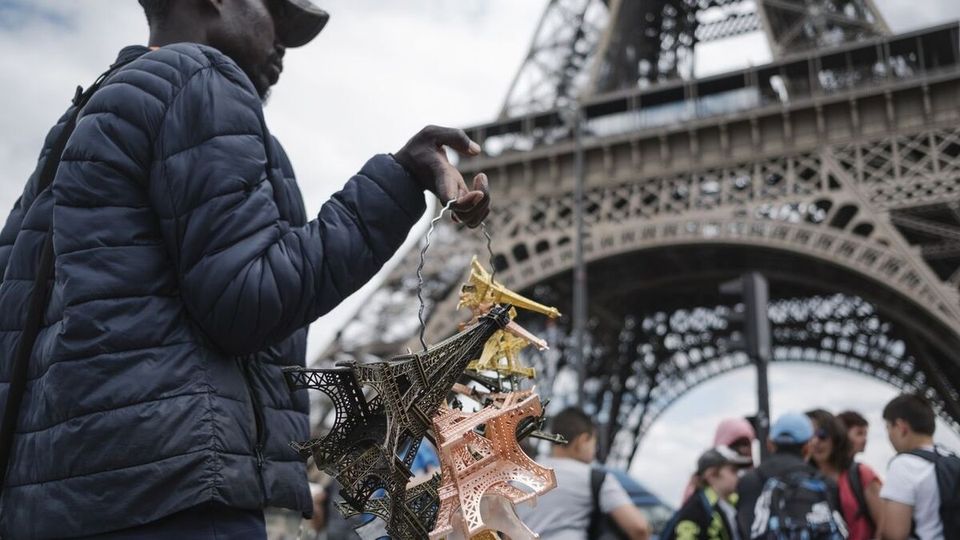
(247, 277)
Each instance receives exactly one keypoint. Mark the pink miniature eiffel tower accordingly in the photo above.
(481, 472)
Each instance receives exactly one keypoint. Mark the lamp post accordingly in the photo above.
(579, 266)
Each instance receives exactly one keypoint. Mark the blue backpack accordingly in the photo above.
(796, 507)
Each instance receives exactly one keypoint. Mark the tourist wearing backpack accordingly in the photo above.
(922, 492)
(858, 483)
(566, 512)
(709, 514)
(786, 498)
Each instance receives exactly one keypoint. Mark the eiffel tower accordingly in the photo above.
(834, 170)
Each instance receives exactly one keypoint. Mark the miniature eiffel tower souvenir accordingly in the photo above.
(415, 518)
(481, 292)
(481, 471)
(502, 355)
(373, 443)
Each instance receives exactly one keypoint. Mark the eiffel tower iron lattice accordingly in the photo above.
(834, 170)
(583, 48)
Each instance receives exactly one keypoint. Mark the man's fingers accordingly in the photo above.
(473, 207)
(475, 217)
(449, 181)
(482, 184)
(468, 202)
(456, 139)
(479, 218)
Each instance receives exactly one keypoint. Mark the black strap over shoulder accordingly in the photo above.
(855, 479)
(41, 284)
(597, 476)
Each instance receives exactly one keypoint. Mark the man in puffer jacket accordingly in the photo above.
(185, 275)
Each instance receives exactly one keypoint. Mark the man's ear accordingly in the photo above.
(580, 440)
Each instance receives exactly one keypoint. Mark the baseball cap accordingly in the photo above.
(730, 430)
(719, 456)
(299, 21)
(791, 428)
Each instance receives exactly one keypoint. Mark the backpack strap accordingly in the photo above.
(597, 476)
(855, 480)
(928, 455)
(41, 283)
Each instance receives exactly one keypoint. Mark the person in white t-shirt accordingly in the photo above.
(910, 494)
(564, 512)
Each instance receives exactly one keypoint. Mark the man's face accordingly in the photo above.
(246, 32)
(858, 438)
(897, 433)
(585, 447)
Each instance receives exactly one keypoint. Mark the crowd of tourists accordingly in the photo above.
(812, 486)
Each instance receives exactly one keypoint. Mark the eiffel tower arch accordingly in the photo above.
(834, 170)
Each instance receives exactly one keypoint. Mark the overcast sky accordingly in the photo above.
(380, 71)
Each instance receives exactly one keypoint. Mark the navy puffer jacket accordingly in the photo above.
(186, 272)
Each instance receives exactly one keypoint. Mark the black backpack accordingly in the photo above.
(796, 506)
(947, 467)
(601, 527)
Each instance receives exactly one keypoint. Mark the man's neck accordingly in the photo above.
(917, 441)
(169, 34)
(563, 455)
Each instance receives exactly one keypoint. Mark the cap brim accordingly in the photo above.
(300, 23)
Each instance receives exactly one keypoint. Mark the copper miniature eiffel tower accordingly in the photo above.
(480, 471)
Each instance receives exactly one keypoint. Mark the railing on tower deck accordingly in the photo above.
(926, 54)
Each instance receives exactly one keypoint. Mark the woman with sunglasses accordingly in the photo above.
(830, 453)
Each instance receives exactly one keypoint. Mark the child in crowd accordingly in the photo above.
(710, 514)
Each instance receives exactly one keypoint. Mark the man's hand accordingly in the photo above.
(424, 157)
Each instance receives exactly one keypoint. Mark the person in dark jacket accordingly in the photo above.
(186, 272)
(709, 513)
(789, 449)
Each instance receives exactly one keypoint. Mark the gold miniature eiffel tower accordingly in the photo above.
(479, 294)
(501, 353)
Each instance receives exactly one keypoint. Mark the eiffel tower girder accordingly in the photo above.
(833, 171)
(583, 48)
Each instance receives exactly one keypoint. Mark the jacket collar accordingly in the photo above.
(130, 53)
